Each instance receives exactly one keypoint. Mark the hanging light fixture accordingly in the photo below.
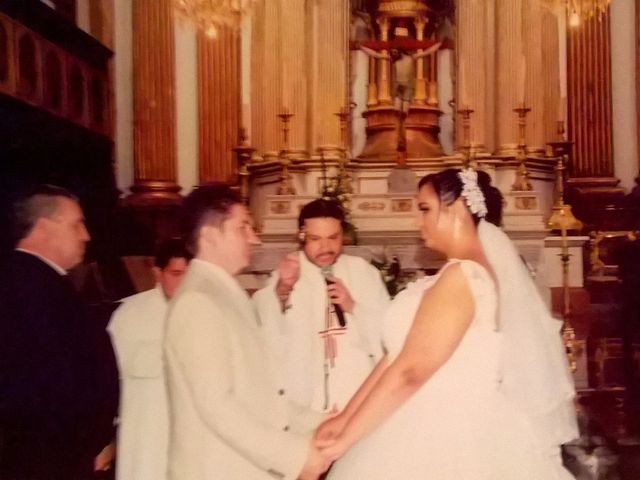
(579, 10)
(209, 15)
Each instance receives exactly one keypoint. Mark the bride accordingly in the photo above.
(475, 385)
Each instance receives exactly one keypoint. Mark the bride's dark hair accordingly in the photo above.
(448, 187)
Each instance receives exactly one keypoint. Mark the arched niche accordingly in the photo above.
(4, 53)
(53, 85)
(76, 91)
(27, 66)
(97, 97)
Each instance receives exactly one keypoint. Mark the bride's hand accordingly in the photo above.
(329, 430)
(335, 448)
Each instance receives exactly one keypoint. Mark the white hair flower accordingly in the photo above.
(471, 192)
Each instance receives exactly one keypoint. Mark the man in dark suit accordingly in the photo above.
(55, 417)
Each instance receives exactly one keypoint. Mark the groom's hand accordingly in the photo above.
(317, 463)
(329, 430)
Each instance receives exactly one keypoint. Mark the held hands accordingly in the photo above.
(328, 437)
(288, 274)
(329, 430)
(326, 447)
(339, 294)
(317, 463)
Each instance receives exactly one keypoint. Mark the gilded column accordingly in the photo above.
(384, 82)
(218, 104)
(473, 51)
(101, 21)
(154, 137)
(329, 90)
(553, 109)
(295, 64)
(589, 91)
(266, 85)
(534, 89)
(372, 87)
(421, 91)
(511, 72)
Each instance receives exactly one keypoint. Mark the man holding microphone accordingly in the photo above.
(322, 313)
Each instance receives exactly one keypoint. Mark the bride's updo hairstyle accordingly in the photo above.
(448, 185)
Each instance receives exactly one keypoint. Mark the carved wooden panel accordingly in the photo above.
(54, 95)
(27, 54)
(98, 107)
(46, 76)
(76, 92)
(589, 96)
(67, 8)
(7, 73)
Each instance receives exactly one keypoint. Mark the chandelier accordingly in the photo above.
(209, 15)
(578, 10)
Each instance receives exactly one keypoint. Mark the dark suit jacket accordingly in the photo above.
(55, 411)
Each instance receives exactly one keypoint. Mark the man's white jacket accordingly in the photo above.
(229, 417)
(136, 330)
(298, 346)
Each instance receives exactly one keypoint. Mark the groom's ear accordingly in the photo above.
(210, 234)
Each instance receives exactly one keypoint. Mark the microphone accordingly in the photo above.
(326, 273)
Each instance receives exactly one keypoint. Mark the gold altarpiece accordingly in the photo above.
(289, 81)
(491, 69)
(482, 57)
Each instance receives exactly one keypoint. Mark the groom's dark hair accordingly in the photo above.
(207, 205)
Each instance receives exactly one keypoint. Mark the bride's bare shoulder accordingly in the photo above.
(449, 296)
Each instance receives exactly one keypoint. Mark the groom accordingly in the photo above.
(229, 418)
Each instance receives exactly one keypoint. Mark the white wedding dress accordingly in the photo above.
(458, 425)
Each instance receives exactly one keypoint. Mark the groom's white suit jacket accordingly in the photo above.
(229, 418)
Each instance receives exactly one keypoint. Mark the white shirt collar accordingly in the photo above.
(215, 270)
(220, 274)
(51, 263)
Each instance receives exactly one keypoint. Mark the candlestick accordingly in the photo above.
(466, 112)
(344, 179)
(285, 187)
(522, 183)
(243, 154)
(285, 117)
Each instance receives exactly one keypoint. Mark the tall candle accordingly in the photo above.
(462, 87)
(522, 80)
(563, 109)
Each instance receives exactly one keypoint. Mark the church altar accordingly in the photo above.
(384, 221)
(393, 98)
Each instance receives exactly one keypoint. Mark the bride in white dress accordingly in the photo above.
(475, 385)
